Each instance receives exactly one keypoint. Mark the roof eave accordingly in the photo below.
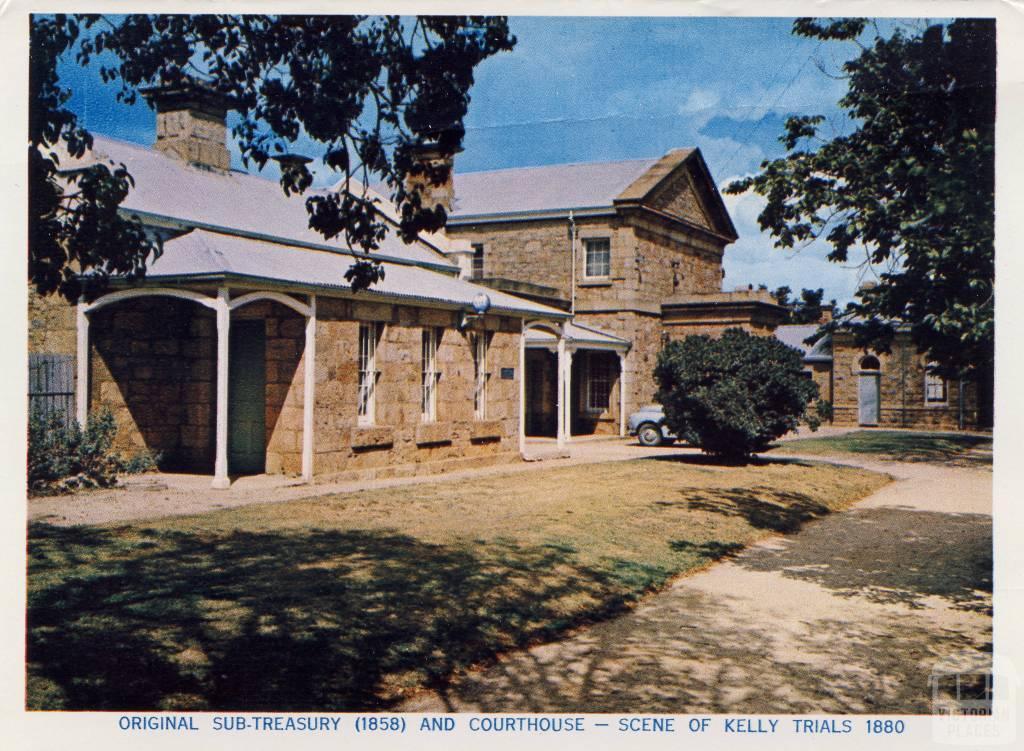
(688, 225)
(527, 216)
(229, 278)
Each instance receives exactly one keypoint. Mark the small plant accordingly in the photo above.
(824, 410)
(734, 395)
(62, 457)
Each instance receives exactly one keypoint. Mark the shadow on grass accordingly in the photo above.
(328, 620)
(946, 448)
(713, 550)
(891, 555)
(708, 460)
(761, 507)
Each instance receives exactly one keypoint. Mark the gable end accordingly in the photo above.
(680, 185)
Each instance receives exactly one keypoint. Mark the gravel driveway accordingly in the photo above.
(849, 615)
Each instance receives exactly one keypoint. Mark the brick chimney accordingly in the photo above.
(191, 123)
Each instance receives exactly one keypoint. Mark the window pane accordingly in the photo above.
(934, 388)
(599, 383)
(598, 261)
(480, 375)
(367, 371)
(478, 260)
(429, 375)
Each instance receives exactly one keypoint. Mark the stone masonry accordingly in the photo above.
(901, 388)
(153, 364)
(398, 437)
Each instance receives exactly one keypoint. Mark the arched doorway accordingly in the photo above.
(868, 391)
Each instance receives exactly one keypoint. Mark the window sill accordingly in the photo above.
(371, 436)
(597, 281)
(484, 430)
(433, 434)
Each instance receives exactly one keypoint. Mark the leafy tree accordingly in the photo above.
(73, 222)
(911, 187)
(805, 310)
(734, 395)
(377, 92)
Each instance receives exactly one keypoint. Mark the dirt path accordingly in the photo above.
(848, 615)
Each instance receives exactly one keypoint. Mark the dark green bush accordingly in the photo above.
(734, 395)
(63, 457)
(824, 410)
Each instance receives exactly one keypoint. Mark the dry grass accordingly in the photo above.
(351, 601)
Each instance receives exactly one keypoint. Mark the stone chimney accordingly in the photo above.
(191, 123)
(431, 195)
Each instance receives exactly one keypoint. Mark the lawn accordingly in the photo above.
(944, 448)
(353, 601)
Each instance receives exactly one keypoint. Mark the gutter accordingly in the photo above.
(527, 216)
(583, 212)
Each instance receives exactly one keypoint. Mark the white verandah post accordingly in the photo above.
(559, 391)
(309, 392)
(622, 393)
(564, 402)
(522, 388)
(221, 480)
(82, 364)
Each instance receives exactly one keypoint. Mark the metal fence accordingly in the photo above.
(51, 386)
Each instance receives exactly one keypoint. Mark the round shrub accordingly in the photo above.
(734, 395)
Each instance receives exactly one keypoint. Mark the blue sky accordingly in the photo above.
(595, 89)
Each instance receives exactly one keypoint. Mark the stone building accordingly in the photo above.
(540, 311)
(244, 350)
(633, 249)
(892, 389)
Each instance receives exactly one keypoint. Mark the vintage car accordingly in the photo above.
(648, 425)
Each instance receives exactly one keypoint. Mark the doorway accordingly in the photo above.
(247, 396)
(868, 391)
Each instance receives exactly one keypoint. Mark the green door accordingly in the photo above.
(247, 397)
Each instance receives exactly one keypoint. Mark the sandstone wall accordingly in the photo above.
(901, 389)
(153, 364)
(51, 325)
(821, 374)
(670, 260)
(399, 437)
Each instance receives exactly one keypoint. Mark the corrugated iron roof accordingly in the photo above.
(168, 187)
(576, 332)
(555, 186)
(794, 334)
(202, 253)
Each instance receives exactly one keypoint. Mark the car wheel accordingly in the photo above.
(649, 434)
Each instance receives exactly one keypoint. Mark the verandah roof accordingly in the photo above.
(576, 334)
(204, 254)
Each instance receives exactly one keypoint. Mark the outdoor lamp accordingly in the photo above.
(481, 304)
